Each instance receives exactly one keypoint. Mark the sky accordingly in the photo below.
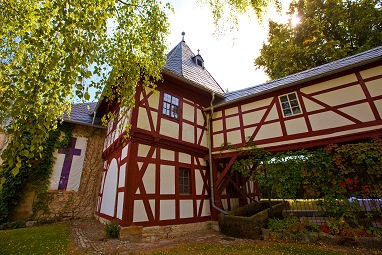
(228, 57)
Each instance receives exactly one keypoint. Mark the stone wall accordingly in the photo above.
(157, 233)
(81, 203)
(73, 204)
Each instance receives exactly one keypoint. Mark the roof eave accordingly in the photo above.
(314, 77)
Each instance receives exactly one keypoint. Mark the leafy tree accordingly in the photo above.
(51, 49)
(328, 30)
(228, 10)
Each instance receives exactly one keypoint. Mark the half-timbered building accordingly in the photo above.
(186, 133)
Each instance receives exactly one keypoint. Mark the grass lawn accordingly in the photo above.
(271, 248)
(49, 239)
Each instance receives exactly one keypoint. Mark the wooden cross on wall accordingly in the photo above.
(69, 153)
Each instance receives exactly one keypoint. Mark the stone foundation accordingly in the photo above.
(156, 233)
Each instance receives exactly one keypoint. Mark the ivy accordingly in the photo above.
(337, 171)
(35, 174)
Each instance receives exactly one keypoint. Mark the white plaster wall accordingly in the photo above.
(167, 179)
(143, 150)
(204, 138)
(232, 122)
(234, 137)
(230, 111)
(218, 114)
(186, 209)
(125, 151)
(206, 209)
(198, 183)
(167, 210)
(273, 114)
(329, 84)
(361, 112)
(371, 72)
(149, 179)
(199, 117)
(311, 106)
(296, 126)
(167, 155)
(188, 112)
(374, 87)
(253, 117)
(143, 119)
(184, 158)
(110, 189)
(248, 132)
(218, 140)
(348, 95)
(120, 205)
(378, 104)
(269, 131)
(169, 128)
(327, 120)
(140, 213)
(154, 98)
(188, 133)
(257, 104)
(122, 174)
(217, 125)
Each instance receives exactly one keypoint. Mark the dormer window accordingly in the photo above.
(199, 60)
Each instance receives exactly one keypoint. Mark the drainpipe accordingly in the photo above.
(94, 116)
(209, 140)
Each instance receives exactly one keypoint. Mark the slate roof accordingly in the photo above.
(180, 61)
(304, 76)
(83, 114)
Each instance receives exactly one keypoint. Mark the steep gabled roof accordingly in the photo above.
(83, 114)
(180, 61)
(305, 76)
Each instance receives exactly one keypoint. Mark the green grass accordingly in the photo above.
(263, 249)
(49, 239)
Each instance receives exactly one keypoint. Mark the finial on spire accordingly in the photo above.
(183, 34)
(198, 52)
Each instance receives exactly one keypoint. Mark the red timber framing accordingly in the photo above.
(356, 128)
(144, 202)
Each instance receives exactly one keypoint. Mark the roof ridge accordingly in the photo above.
(311, 69)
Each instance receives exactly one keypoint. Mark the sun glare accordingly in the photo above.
(294, 21)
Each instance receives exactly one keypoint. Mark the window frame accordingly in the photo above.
(290, 107)
(181, 181)
(169, 105)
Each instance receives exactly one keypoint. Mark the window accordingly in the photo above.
(184, 181)
(170, 106)
(289, 104)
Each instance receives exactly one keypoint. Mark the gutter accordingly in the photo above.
(209, 124)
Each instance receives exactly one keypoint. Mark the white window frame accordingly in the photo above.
(288, 105)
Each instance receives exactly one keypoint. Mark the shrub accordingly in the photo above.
(112, 229)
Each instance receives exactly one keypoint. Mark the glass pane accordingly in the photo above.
(174, 112)
(283, 99)
(296, 110)
(292, 96)
(175, 101)
(294, 103)
(167, 97)
(287, 112)
(285, 105)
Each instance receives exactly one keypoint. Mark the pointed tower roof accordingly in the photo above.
(184, 63)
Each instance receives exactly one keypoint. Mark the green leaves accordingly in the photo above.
(50, 49)
(328, 30)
